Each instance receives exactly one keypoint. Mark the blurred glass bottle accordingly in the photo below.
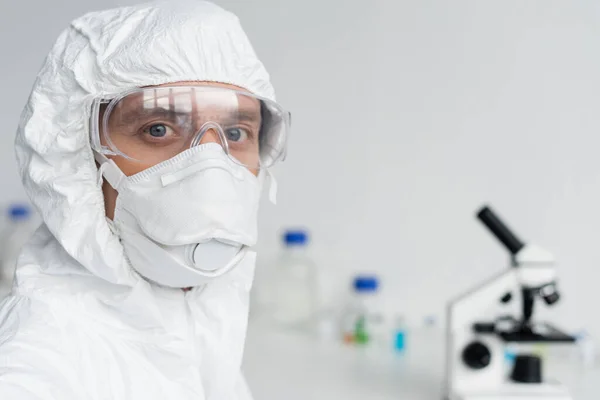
(19, 225)
(294, 284)
(363, 320)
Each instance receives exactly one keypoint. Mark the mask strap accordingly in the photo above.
(101, 174)
(272, 187)
(109, 170)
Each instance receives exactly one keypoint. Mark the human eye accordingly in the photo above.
(158, 132)
(236, 134)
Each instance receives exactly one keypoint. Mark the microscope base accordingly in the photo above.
(518, 391)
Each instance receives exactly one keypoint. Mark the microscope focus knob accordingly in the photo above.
(477, 355)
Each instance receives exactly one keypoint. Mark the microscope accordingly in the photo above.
(475, 343)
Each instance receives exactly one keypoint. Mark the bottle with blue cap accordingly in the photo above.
(294, 283)
(363, 320)
(18, 227)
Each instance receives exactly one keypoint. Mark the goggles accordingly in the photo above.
(152, 125)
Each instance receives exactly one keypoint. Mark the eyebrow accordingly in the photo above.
(134, 115)
(247, 115)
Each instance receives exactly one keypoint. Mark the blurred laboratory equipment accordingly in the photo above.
(18, 226)
(587, 349)
(429, 331)
(400, 328)
(475, 348)
(363, 320)
(430, 321)
(294, 284)
(326, 322)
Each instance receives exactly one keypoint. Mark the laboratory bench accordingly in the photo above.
(293, 366)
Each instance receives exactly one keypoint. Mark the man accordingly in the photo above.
(144, 146)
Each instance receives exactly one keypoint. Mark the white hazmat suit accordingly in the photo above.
(80, 322)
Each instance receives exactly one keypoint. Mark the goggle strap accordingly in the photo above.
(272, 187)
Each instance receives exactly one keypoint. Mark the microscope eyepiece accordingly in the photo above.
(500, 230)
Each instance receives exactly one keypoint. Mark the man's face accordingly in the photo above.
(149, 143)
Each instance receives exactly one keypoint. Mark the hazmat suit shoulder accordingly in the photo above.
(80, 323)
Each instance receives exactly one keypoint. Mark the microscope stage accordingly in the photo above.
(541, 333)
(513, 331)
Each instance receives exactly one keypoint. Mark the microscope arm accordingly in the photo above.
(472, 306)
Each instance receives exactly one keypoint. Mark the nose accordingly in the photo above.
(210, 136)
(207, 134)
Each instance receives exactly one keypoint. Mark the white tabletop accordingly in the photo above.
(285, 365)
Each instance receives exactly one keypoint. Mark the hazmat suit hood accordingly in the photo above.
(84, 323)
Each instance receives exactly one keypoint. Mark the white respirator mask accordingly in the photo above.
(189, 219)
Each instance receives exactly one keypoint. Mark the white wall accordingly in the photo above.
(407, 117)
